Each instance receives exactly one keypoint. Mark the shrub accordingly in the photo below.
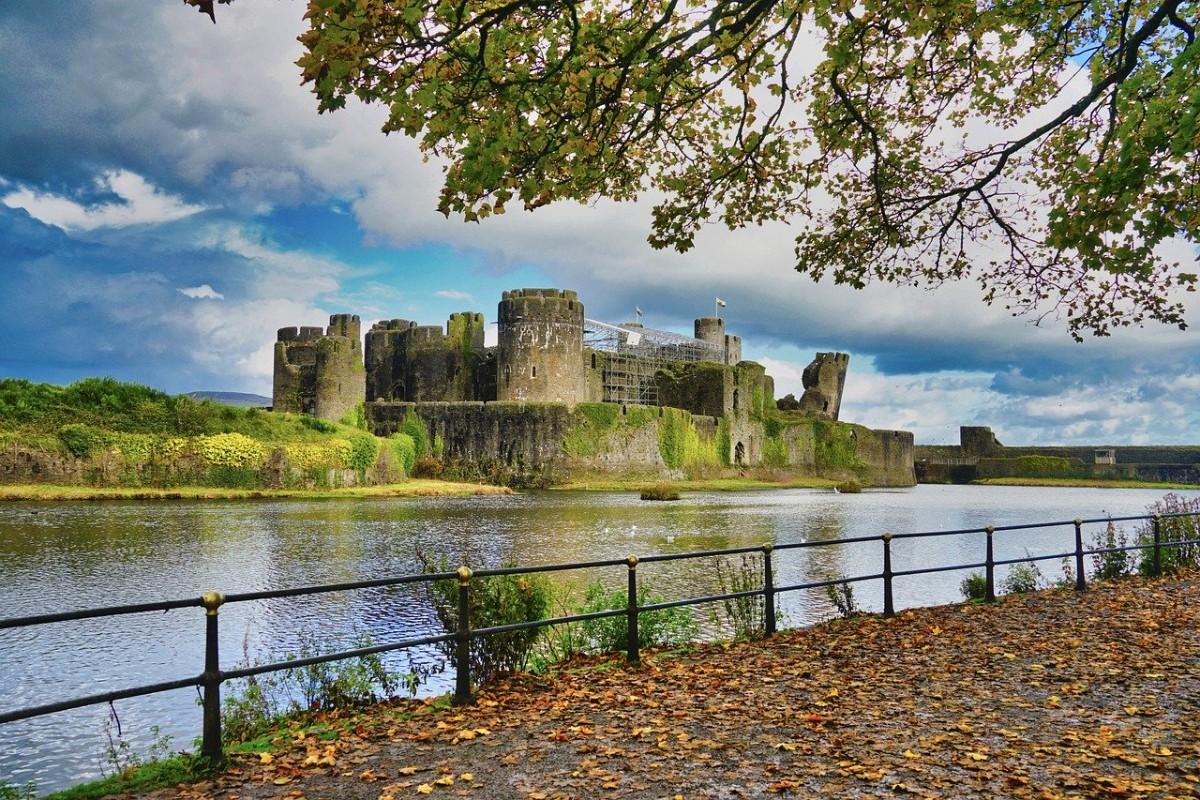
(974, 587)
(233, 450)
(356, 417)
(83, 440)
(660, 491)
(427, 467)
(9, 791)
(1112, 564)
(415, 428)
(1022, 579)
(1172, 530)
(662, 628)
(406, 451)
(363, 451)
(849, 487)
(841, 595)
(495, 600)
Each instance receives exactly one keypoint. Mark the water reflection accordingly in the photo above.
(77, 555)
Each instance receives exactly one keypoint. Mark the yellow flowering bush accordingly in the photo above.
(234, 450)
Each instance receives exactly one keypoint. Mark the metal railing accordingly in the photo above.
(211, 678)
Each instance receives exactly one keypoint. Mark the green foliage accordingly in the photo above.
(415, 429)
(974, 587)
(406, 451)
(590, 426)
(253, 705)
(680, 444)
(724, 443)
(233, 450)
(1022, 578)
(355, 417)
(82, 440)
(363, 451)
(757, 402)
(834, 446)
(662, 628)
(10, 792)
(1113, 564)
(428, 467)
(1173, 530)
(774, 452)
(841, 595)
(495, 600)
(660, 491)
(744, 617)
(439, 446)
(848, 487)
(144, 777)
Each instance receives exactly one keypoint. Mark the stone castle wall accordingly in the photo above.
(320, 372)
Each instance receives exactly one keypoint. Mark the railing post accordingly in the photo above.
(210, 743)
(1080, 578)
(768, 592)
(989, 594)
(888, 608)
(1157, 562)
(462, 640)
(632, 655)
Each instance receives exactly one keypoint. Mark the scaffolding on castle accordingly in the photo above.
(635, 354)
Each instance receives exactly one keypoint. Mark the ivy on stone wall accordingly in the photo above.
(680, 444)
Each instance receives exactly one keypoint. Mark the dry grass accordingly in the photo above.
(413, 488)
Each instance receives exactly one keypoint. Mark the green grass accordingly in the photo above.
(183, 768)
(1096, 483)
(410, 488)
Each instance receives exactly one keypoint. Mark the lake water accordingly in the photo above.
(56, 557)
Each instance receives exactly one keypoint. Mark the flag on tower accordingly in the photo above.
(720, 302)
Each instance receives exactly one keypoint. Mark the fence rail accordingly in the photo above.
(212, 676)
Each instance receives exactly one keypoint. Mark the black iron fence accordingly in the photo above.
(212, 676)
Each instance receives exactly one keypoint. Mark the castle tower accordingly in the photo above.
(824, 380)
(384, 359)
(319, 372)
(712, 330)
(540, 353)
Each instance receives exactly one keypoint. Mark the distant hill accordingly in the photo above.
(233, 398)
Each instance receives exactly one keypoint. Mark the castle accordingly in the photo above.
(524, 401)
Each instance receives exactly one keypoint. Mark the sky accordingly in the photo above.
(169, 197)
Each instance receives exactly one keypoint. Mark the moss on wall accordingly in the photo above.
(681, 445)
(835, 447)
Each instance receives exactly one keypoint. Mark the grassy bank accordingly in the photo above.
(610, 484)
(1094, 483)
(411, 488)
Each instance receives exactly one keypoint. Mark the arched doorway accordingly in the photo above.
(739, 454)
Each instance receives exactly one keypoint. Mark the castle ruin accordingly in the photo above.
(515, 403)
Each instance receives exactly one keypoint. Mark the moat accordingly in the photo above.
(76, 555)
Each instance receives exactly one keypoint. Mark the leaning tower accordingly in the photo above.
(540, 353)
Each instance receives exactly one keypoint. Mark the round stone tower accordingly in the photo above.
(712, 330)
(540, 353)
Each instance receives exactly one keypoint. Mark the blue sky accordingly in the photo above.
(169, 197)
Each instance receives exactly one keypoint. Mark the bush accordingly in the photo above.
(405, 450)
(1172, 530)
(495, 600)
(428, 467)
(660, 491)
(10, 792)
(849, 487)
(234, 450)
(363, 451)
(662, 628)
(1111, 564)
(974, 587)
(83, 440)
(1022, 579)
(415, 428)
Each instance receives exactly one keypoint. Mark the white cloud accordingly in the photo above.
(140, 204)
(453, 294)
(202, 292)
